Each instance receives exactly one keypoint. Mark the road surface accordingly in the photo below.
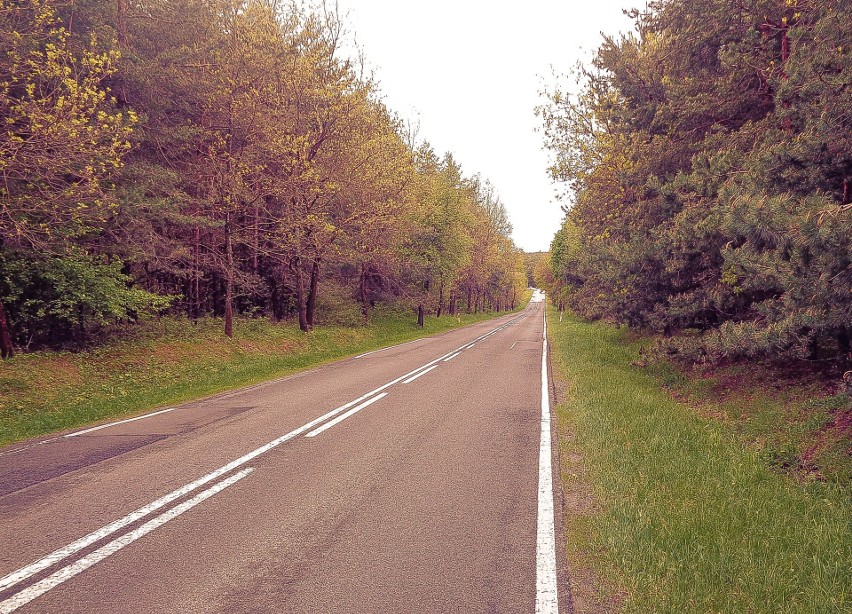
(410, 479)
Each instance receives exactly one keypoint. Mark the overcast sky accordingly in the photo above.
(469, 72)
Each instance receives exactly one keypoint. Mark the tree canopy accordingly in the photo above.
(707, 166)
(220, 157)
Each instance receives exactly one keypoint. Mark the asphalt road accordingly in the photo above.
(403, 480)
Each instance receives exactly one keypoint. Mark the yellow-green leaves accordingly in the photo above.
(60, 138)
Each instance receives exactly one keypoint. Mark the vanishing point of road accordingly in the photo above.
(417, 478)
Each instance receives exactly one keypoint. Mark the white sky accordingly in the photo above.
(469, 73)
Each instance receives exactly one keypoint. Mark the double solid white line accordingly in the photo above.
(66, 573)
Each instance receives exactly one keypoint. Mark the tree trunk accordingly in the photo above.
(6, 349)
(365, 298)
(275, 301)
(843, 342)
(296, 267)
(195, 305)
(214, 294)
(229, 281)
(785, 55)
(469, 296)
(420, 315)
(451, 305)
(255, 259)
(119, 87)
(441, 299)
(812, 343)
(255, 245)
(121, 25)
(312, 294)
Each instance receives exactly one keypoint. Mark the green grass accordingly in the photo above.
(170, 361)
(687, 518)
(795, 423)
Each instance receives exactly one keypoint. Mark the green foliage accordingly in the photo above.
(60, 137)
(708, 162)
(458, 252)
(228, 155)
(61, 141)
(49, 297)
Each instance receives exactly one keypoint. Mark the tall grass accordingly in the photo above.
(171, 360)
(688, 518)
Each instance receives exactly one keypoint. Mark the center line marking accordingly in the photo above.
(390, 347)
(343, 417)
(424, 372)
(66, 573)
(449, 358)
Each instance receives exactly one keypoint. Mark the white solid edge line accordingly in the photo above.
(424, 372)
(103, 426)
(66, 573)
(546, 594)
(390, 347)
(343, 417)
(54, 557)
(449, 358)
(29, 446)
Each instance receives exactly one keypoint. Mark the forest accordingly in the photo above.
(201, 158)
(706, 163)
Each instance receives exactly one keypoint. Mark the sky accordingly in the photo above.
(469, 73)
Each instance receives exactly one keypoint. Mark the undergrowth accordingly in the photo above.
(796, 419)
(171, 360)
(689, 516)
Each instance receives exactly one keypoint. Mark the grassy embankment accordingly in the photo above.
(168, 361)
(671, 507)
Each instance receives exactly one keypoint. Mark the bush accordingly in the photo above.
(64, 299)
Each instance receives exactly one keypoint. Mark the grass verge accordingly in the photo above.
(170, 361)
(681, 515)
(792, 415)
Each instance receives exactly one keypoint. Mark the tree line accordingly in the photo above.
(219, 157)
(708, 160)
